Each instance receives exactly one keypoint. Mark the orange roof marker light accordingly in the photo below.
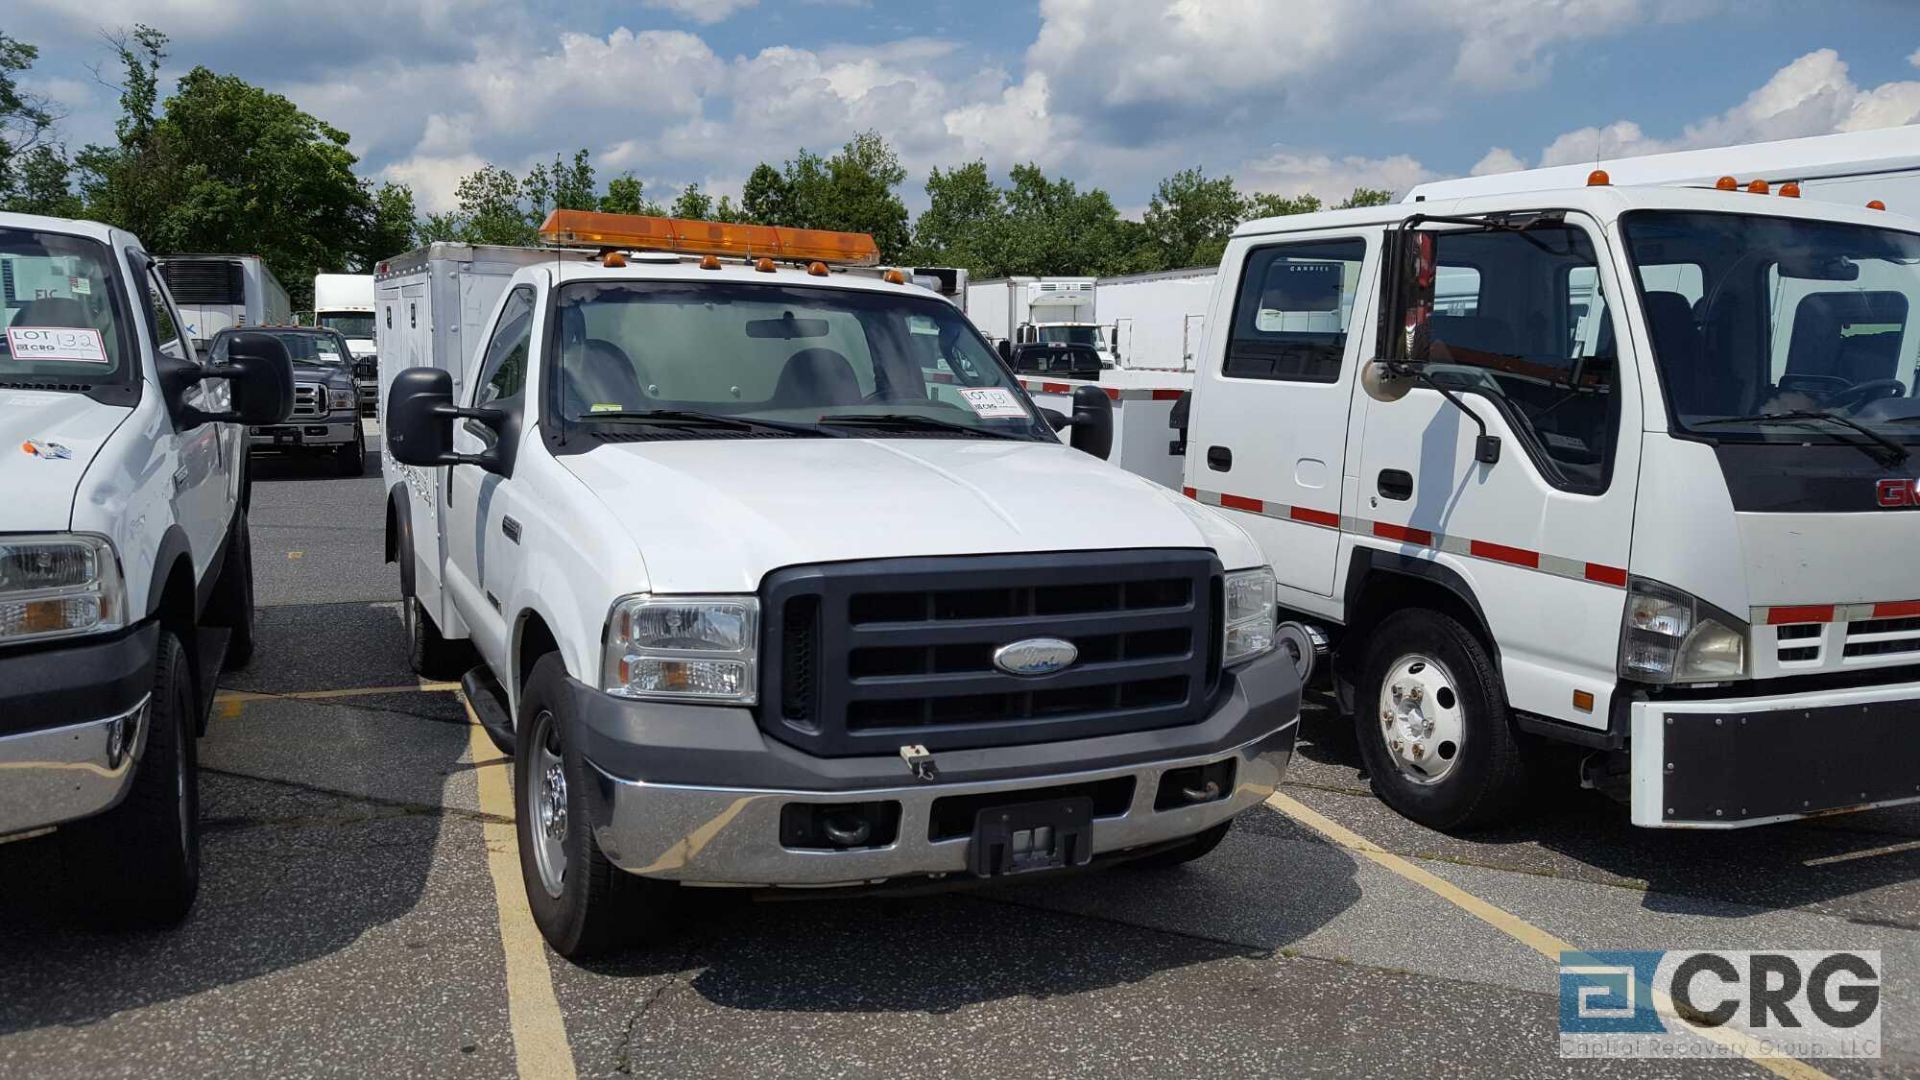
(591, 228)
(1758, 187)
(764, 265)
(1876, 204)
(894, 277)
(1599, 178)
(817, 268)
(1727, 183)
(613, 260)
(1790, 190)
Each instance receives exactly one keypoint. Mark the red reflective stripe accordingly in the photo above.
(1190, 493)
(1314, 517)
(1481, 549)
(1898, 609)
(1403, 534)
(1055, 388)
(1113, 393)
(1607, 575)
(1805, 613)
(1167, 395)
(1241, 502)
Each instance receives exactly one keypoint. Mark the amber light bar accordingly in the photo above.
(593, 229)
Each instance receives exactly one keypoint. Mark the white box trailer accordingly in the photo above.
(214, 292)
(1155, 321)
(1023, 309)
(1854, 168)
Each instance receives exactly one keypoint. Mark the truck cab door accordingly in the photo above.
(202, 461)
(1269, 426)
(483, 531)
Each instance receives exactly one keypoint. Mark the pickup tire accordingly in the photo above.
(231, 605)
(351, 458)
(582, 903)
(137, 866)
(429, 654)
(1433, 726)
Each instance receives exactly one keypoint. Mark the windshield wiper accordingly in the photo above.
(909, 422)
(1889, 452)
(696, 418)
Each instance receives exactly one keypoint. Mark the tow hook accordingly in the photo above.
(919, 761)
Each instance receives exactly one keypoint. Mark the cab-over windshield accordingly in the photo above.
(822, 360)
(1765, 327)
(59, 310)
(351, 324)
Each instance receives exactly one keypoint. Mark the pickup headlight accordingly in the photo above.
(339, 399)
(1670, 636)
(1248, 617)
(59, 585)
(682, 649)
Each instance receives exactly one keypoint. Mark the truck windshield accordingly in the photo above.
(351, 324)
(1069, 335)
(60, 307)
(811, 356)
(1773, 329)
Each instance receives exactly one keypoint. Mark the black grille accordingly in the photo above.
(205, 281)
(869, 656)
(1910, 642)
(1800, 630)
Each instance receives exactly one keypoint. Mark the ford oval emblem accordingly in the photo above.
(1035, 656)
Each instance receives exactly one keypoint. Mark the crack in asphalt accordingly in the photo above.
(623, 1053)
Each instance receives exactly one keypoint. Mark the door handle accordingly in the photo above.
(1396, 484)
(1219, 458)
(510, 527)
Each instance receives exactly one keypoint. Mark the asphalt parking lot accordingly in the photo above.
(352, 923)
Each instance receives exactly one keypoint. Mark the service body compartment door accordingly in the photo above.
(1269, 427)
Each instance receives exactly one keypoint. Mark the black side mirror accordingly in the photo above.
(1092, 421)
(259, 376)
(420, 416)
(1005, 349)
(1055, 418)
(1177, 420)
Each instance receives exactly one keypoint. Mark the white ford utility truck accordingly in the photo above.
(1628, 471)
(776, 578)
(125, 576)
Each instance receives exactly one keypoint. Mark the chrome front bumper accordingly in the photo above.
(333, 429)
(731, 836)
(61, 774)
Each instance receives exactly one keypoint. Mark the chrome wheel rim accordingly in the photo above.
(1422, 723)
(546, 809)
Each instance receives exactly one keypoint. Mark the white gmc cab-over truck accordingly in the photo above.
(777, 578)
(1625, 472)
(125, 575)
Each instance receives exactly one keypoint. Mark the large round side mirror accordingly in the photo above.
(1381, 386)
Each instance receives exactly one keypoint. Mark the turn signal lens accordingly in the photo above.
(1876, 204)
(1790, 190)
(1758, 187)
(1727, 183)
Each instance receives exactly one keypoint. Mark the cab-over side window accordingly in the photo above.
(1293, 311)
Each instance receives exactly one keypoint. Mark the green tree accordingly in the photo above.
(964, 219)
(1190, 217)
(693, 204)
(25, 122)
(391, 227)
(1266, 204)
(766, 199)
(573, 186)
(724, 210)
(491, 211)
(121, 184)
(1365, 196)
(43, 184)
(626, 195)
(1055, 228)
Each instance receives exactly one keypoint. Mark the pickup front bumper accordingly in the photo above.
(73, 725)
(1735, 762)
(335, 429)
(699, 795)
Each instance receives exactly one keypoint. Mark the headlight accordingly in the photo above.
(1248, 618)
(1672, 637)
(682, 649)
(59, 585)
(339, 399)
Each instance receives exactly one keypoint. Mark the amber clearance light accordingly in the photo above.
(590, 228)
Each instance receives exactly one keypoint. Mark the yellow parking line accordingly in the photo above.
(231, 701)
(1890, 849)
(1517, 928)
(540, 1046)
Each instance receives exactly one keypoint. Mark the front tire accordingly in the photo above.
(428, 653)
(1433, 725)
(351, 458)
(582, 903)
(138, 864)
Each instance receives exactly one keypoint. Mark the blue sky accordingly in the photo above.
(1286, 95)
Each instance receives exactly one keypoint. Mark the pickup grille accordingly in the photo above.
(309, 400)
(865, 657)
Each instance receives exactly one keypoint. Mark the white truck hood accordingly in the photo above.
(715, 515)
(47, 438)
(360, 346)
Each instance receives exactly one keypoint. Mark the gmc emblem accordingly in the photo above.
(1895, 493)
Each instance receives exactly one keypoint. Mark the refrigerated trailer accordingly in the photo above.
(1019, 310)
(214, 292)
(1155, 321)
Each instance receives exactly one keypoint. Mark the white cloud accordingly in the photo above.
(1291, 172)
(1813, 95)
(432, 178)
(705, 12)
(1497, 160)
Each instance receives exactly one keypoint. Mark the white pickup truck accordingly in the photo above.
(777, 578)
(125, 576)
